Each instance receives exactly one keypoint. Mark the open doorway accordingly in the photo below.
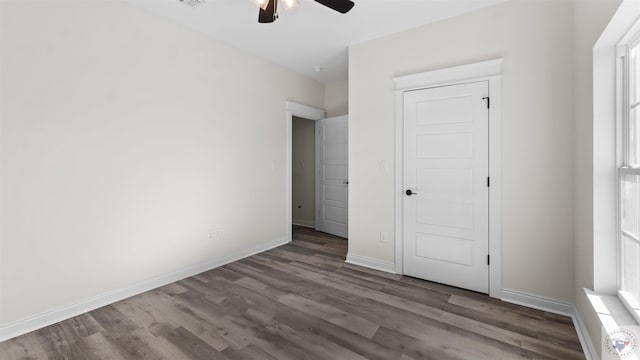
(317, 171)
(303, 179)
(320, 173)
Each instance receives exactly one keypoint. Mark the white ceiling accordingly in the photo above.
(311, 34)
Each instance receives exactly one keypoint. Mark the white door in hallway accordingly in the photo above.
(445, 175)
(332, 168)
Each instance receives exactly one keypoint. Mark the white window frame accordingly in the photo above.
(623, 89)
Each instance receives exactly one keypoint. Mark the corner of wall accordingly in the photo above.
(337, 98)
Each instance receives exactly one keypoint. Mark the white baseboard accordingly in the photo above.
(17, 328)
(585, 340)
(304, 223)
(538, 302)
(556, 307)
(371, 263)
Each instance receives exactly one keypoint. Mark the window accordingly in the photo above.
(629, 180)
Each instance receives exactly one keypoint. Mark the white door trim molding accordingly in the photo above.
(449, 76)
(294, 109)
(370, 263)
(490, 71)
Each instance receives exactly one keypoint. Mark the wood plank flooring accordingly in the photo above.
(302, 301)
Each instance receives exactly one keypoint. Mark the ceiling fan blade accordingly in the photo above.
(342, 6)
(270, 14)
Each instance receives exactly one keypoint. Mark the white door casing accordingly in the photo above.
(491, 72)
(446, 168)
(332, 164)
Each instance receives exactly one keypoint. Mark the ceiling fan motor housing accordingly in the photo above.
(270, 13)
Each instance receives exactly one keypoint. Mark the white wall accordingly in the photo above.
(535, 40)
(303, 162)
(590, 18)
(337, 98)
(125, 141)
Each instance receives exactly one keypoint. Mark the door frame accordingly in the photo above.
(294, 109)
(490, 71)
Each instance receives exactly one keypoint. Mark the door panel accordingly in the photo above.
(446, 219)
(332, 170)
(335, 172)
(445, 214)
(444, 146)
(447, 182)
(445, 111)
(446, 249)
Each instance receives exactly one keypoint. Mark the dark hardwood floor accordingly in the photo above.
(302, 301)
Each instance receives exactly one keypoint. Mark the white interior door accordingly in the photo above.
(332, 168)
(445, 172)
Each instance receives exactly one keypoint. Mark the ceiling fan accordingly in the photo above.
(269, 8)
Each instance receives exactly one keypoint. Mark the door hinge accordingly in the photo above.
(488, 101)
(488, 260)
(488, 181)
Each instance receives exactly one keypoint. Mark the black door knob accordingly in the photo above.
(409, 192)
